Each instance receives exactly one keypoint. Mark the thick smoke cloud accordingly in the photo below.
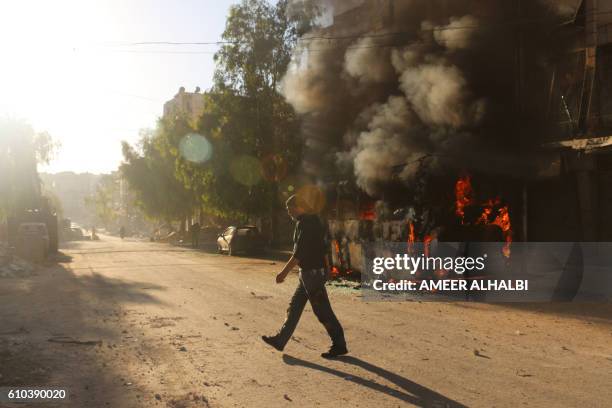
(458, 34)
(436, 89)
(393, 86)
(368, 62)
(386, 144)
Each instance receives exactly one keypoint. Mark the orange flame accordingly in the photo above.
(335, 271)
(463, 195)
(427, 245)
(463, 198)
(503, 220)
(411, 237)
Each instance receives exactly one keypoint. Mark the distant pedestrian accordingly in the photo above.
(195, 235)
(309, 253)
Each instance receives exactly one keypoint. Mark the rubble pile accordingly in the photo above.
(13, 267)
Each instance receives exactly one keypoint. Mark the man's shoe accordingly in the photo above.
(335, 351)
(272, 341)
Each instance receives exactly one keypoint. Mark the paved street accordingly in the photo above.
(138, 324)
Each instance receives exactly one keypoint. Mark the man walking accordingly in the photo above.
(309, 254)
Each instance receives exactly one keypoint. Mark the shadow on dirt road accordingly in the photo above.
(414, 393)
(63, 329)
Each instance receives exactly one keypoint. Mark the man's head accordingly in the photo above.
(295, 207)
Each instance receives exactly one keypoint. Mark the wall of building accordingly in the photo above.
(190, 104)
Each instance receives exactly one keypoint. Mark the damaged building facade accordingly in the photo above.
(421, 117)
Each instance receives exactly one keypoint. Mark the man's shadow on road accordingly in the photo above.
(415, 394)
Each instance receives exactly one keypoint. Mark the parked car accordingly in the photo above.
(245, 239)
(33, 240)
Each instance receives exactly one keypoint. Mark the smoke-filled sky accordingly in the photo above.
(66, 69)
(414, 83)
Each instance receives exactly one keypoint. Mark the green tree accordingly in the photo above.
(251, 128)
(149, 170)
(248, 127)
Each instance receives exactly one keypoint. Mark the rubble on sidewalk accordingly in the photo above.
(344, 283)
(13, 267)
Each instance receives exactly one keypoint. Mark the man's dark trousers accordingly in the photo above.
(312, 287)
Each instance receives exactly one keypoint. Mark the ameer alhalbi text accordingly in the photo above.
(452, 285)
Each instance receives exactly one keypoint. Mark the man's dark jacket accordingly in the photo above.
(309, 242)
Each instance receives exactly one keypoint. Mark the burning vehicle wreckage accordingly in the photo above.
(458, 121)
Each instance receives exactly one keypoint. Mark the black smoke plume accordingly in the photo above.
(388, 89)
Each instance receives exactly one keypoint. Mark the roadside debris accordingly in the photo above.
(12, 267)
(287, 398)
(477, 353)
(523, 373)
(260, 297)
(70, 340)
(343, 283)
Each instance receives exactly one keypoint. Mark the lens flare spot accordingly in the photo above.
(195, 148)
(311, 197)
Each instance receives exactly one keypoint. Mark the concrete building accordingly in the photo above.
(190, 104)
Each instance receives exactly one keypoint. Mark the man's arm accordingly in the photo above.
(292, 263)
(298, 252)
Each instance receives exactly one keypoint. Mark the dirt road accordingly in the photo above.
(134, 324)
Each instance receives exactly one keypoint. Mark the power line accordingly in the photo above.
(163, 52)
(304, 41)
(363, 35)
(182, 43)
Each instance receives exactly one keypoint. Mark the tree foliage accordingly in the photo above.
(248, 126)
(252, 129)
(259, 38)
(149, 171)
(21, 149)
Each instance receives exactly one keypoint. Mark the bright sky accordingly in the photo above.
(65, 68)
